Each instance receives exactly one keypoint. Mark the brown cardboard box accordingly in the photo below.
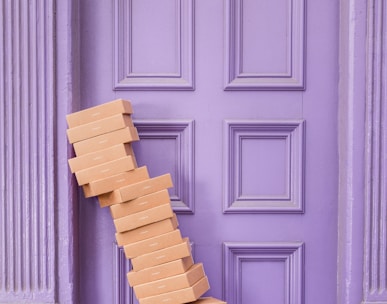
(133, 191)
(99, 127)
(105, 170)
(172, 283)
(208, 300)
(153, 244)
(185, 295)
(119, 180)
(143, 218)
(162, 256)
(148, 231)
(99, 157)
(99, 112)
(100, 142)
(159, 272)
(139, 204)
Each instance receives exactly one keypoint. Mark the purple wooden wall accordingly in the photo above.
(38, 211)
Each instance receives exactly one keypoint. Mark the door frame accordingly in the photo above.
(353, 152)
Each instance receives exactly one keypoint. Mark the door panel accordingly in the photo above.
(238, 101)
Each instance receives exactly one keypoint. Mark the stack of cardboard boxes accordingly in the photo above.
(163, 270)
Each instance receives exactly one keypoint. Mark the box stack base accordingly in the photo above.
(163, 270)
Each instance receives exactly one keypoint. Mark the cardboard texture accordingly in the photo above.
(152, 244)
(148, 231)
(172, 283)
(99, 112)
(104, 170)
(162, 256)
(119, 180)
(99, 127)
(99, 157)
(208, 300)
(140, 204)
(104, 141)
(159, 272)
(185, 295)
(143, 218)
(136, 190)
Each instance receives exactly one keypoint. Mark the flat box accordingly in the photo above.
(113, 182)
(148, 231)
(185, 295)
(172, 283)
(99, 127)
(143, 218)
(208, 300)
(153, 244)
(162, 256)
(140, 204)
(99, 157)
(105, 170)
(160, 271)
(104, 141)
(133, 191)
(118, 106)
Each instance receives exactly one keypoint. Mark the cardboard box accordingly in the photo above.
(172, 283)
(153, 244)
(133, 191)
(148, 231)
(140, 204)
(208, 300)
(99, 112)
(159, 272)
(143, 218)
(185, 295)
(104, 141)
(119, 180)
(104, 170)
(99, 127)
(162, 256)
(99, 157)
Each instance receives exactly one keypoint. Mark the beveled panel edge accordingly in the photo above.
(155, 82)
(293, 253)
(122, 292)
(296, 132)
(296, 81)
(184, 132)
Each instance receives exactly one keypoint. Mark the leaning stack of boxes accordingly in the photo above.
(163, 270)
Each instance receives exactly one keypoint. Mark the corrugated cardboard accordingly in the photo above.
(100, 142)
(153, 244)
(139, 204)
(159, 272)
(143, 218)
(104, 170)
(133, 191)
(185, 295)
(208, 300)
(172, 283)
(99, 157)
(99, 127)
(119, 180)
(148, 231)
(99, 112)
(162, 256)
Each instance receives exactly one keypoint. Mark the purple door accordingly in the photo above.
(237, 99)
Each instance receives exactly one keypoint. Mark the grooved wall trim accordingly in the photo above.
(236, 254)
(292, 135)
(27, 237)
(291, 75)
(179, 75)
(181, 132)
(375, 257)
